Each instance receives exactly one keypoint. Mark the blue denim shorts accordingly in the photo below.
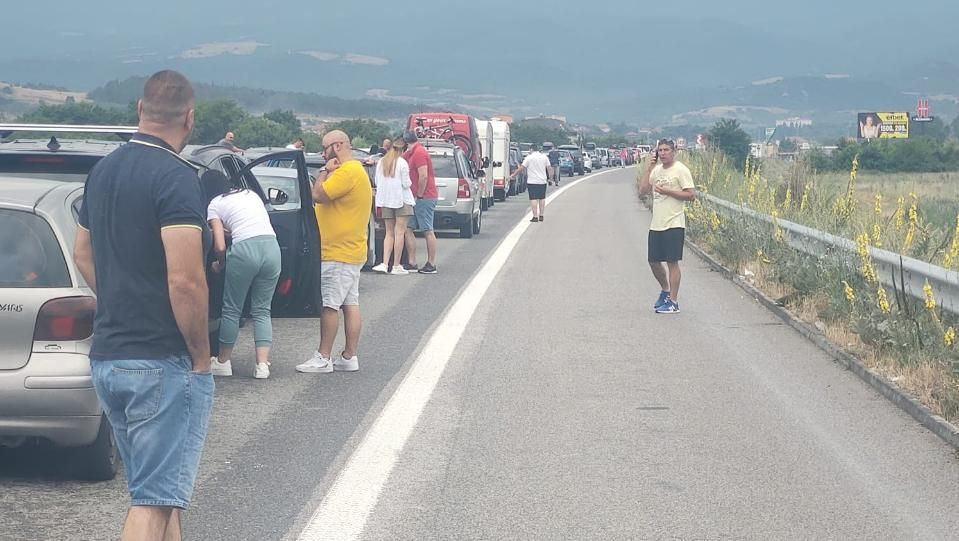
(159, 410)
(422, 219)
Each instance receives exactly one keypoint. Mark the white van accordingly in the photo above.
(502, 188)
(484, 130)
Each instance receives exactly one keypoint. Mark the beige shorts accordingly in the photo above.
(340, 284)
(405, 210)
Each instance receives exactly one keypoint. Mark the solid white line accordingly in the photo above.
(346, 507)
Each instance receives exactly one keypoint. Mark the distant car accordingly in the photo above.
(458, 187)
(597, 161)
(577, 154)
(566, 164)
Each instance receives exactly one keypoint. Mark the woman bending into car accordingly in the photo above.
(251, 266)
(395, 200)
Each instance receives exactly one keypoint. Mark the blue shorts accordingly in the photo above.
(422, 219)
(159, 411)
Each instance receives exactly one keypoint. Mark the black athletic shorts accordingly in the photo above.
(536, 191)
(666, 245)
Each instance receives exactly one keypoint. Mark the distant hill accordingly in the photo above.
(258, 100)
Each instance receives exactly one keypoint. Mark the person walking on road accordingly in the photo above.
(251, 267)
(424, 190)
(141, 246)
(672, 185)
(395, 200)
(553, 155)
(623, 154)
(227, 142)
(343, 198)
(539, 171)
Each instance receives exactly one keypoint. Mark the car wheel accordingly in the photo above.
(512, 188)
(100, 460)
(466, 230)
(483, 205)
(477, 223)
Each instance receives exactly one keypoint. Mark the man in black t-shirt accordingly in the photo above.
(141, 246)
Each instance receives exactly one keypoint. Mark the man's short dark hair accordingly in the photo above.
(409, 136)
(669, 142)
(534, 147)
(167, 96)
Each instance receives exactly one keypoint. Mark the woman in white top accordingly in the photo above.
(252, 265)
(395, 200)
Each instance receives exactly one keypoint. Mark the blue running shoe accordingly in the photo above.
(669, 307)
(663, 297)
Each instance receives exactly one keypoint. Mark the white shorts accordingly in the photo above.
(340, 284)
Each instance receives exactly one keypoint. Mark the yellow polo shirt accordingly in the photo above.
(343, 222)
(669, 212)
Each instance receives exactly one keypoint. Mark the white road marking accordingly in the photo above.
(343, 512)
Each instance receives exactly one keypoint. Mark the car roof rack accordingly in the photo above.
(123, 132)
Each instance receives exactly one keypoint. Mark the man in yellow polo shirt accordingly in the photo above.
(343, 198)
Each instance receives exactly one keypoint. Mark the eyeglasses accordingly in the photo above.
(327, 147)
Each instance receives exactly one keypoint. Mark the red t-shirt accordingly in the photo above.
(417, 156)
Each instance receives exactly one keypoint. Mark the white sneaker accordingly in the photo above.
(381, 268)
(399, 270)
(343, 364)
(262, 371)
(221, 369)
(317, 364)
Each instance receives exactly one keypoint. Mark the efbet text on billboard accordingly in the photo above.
(883, 125)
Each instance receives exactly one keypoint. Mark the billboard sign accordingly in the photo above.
(883, 125)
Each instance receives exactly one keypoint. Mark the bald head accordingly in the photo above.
(167, 98)
(337, 143)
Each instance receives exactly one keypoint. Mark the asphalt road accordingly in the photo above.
(567, 410)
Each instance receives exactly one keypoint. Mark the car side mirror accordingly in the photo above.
(497, 164)
(277, 196)
(485, 163)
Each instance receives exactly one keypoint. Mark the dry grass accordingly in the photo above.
(931, 383)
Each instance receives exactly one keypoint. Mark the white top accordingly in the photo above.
(536, 164)
(291, 146)
(243, 213)
(394, 192)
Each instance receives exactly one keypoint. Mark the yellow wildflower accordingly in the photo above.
(714, 221)
(900, 215)
(787, 202)
(950, 337)
(913, 222)
(847, 289)
(878, 206)
(883, 301)
(929, 296)
(805, 197)
(877, 235)
(868, 271)
(953, 254)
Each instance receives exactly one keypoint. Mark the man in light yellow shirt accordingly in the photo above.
(672, 186)
(343, 198)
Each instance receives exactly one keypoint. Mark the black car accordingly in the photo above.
(577, 154)
(517, 185)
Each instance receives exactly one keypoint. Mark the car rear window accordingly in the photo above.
(31, 254)
(51, 167)
(444, 166)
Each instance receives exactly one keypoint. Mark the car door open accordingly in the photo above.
(297, 233)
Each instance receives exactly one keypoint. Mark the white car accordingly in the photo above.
(587, 162)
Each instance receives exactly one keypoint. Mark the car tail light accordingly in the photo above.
(69, 318)
(499, 182)
(285, 286)
(463, 189)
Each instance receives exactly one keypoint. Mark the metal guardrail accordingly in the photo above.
(913, 272)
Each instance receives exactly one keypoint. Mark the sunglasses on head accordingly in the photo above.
(669, 142)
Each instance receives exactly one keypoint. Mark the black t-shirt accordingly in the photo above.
(553, 157)
(130, 195)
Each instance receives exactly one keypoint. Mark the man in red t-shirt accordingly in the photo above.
(424, 190)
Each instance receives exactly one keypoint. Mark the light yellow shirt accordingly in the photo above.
(343, 222)
(669, 212)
